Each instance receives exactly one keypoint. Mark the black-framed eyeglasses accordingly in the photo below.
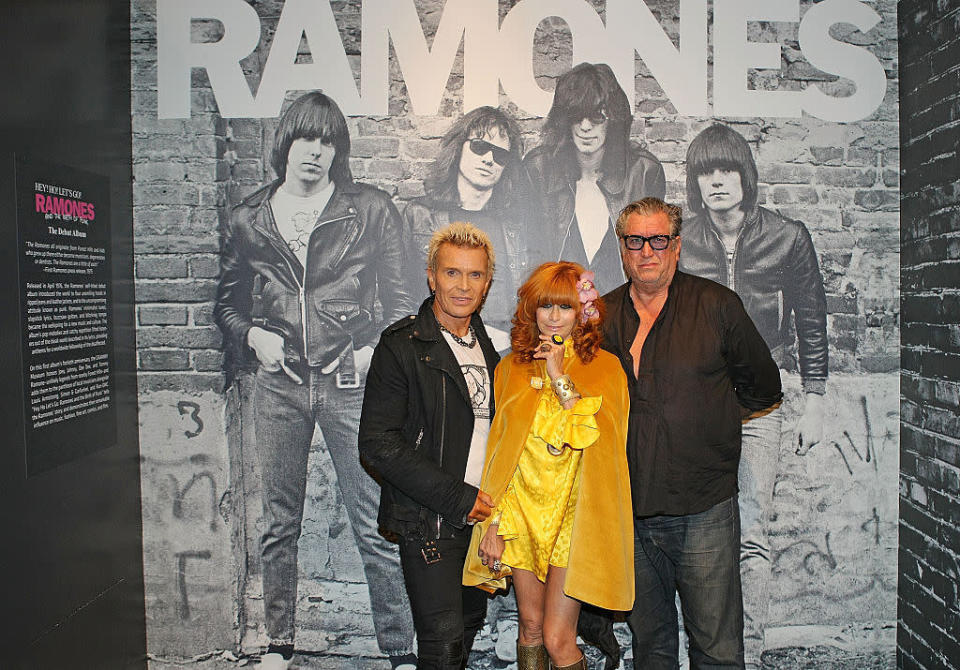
(481, 148)
(636, 242)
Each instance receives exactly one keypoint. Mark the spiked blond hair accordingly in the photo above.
(461, 234)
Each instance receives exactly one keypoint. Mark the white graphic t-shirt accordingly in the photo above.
(296, 216)
(474, 368)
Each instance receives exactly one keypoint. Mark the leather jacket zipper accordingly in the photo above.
(303, 303)
(731, 264)
(573, 217)
(301, 297)
(443, 415)
(443, 432)
(347, 242)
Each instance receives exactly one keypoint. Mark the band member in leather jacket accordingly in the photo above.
(478, 177)
(309, 274)
(587, 169)
(769, 260)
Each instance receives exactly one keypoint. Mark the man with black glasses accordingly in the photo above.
(696, 365)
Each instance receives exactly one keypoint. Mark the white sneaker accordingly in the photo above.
(274, 662)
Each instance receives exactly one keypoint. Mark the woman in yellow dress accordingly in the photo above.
(556, 468)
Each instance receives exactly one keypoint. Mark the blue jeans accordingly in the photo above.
(285, 415)
(697, 556)
(759, 464)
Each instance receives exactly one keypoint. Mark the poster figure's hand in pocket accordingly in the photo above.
(269, 350)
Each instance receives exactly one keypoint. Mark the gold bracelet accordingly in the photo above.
(564, 389)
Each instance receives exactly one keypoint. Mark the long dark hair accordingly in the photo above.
(440, 184)
(313, 115)
(581, 92)
(720, 146)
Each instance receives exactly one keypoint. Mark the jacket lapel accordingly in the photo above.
(266, 226)
(337, 229)
(442, 357)
(436, 353)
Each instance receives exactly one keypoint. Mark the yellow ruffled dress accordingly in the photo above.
(537, 510)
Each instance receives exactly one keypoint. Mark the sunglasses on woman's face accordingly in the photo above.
(481, 148)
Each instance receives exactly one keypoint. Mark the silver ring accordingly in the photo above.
(496, 566)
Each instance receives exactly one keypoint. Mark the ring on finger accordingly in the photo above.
(545, 347)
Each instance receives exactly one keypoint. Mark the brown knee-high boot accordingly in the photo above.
(533, 657)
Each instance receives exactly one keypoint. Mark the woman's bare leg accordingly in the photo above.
(531, 598)
(560, 614)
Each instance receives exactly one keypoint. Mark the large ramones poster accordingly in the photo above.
(489, 111)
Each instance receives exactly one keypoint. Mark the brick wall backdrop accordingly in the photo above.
(928, 610)
(835, 514)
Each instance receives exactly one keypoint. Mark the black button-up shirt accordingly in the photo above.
(703, 363)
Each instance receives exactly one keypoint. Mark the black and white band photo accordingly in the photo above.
(339, 239)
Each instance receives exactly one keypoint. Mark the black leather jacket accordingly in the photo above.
(334, 304)
(638, 175)
(416, 426)
(775, 272)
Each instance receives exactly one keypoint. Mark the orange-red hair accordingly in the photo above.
(553, 283)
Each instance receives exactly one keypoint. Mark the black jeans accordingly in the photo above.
(446, 614)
